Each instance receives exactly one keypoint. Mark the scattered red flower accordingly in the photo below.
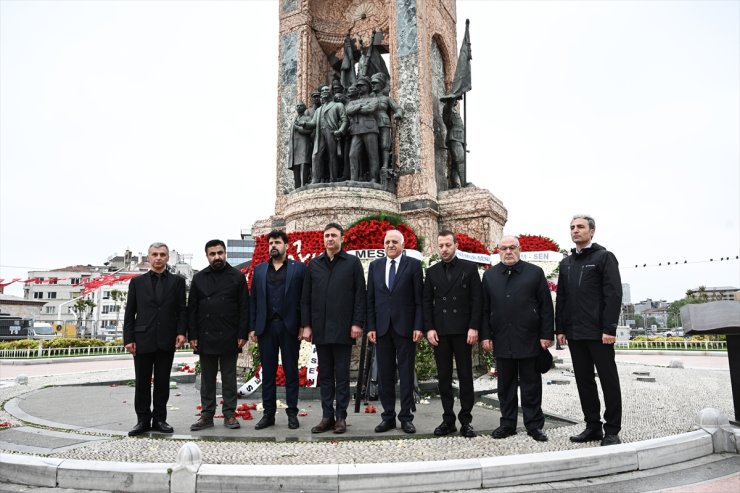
(5, 424)
(370, 409)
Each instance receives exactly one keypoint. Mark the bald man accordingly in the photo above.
(518, 323)
(394, 324)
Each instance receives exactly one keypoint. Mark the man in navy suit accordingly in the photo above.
(394, 324)
(154, 326)
(276, 317)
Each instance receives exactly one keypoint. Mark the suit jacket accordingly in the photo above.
(361, 113)
(452, 307)
(517, 310)
(333, 298)
(399, 308)
(291, 311)
(218, 310)
(330, 116)
(153, 324)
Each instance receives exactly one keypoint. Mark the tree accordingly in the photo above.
(83, 307)
(674, 309)
(120, 298)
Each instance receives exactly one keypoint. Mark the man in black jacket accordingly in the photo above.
(452, 310)
(333, 313)
(518, 321)
(587, 311)
(154, 326)
(218, 324)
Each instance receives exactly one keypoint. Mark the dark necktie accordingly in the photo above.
(392, 275)
(159, 288)
(448, 271)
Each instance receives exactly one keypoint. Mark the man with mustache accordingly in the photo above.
(275, 308)
(218, 324)
(153, 327)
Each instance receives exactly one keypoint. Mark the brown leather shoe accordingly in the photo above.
(325, 424)
(340, 426)
(202, 423)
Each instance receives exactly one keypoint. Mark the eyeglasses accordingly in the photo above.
(505, 248)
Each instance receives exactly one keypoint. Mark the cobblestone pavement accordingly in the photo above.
(651, 409)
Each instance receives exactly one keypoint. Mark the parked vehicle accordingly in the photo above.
(12, 328)
(43, 331)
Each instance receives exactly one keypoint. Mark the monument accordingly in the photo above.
(417, 171)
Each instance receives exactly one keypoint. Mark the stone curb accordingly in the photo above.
(475, 473)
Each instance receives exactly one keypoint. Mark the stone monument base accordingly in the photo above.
(471, 210)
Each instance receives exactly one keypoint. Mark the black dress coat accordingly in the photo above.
(517, 310)
(155, 324)
(333, 298)
(218, 310)
(452, 307)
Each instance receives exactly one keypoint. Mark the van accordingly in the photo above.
(43, 331)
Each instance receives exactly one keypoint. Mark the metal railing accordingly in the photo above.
(673, 345)
(66, 352)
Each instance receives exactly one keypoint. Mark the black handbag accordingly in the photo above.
(544, 361)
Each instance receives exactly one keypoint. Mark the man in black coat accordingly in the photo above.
(218, 325)
(518, 322)
(452, 310)
(395, 324)
(333, 313)
(588, 303)
(154, 326)
(275, 308)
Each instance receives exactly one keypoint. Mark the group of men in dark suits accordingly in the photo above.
(327, 303)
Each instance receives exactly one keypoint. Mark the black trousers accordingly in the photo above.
(334, 378)
(395, 352)
(158, 365)
(276, 338)
(586, 355)
(522, 373)
(457, 347)
(210, 364)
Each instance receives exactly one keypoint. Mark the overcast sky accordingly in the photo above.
(126, 122)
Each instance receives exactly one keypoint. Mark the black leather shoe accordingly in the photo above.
(162, 427)
(587, 435)
(537, 434)
(267, 420)
(340, 426)
(408, 427)
(445, 429)
(141, 427)
(610, 440)
(293, 423)
(385, 425)
(503, 432)
(467, 431)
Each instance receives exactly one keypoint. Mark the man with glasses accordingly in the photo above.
(517, 324)
(587, 312)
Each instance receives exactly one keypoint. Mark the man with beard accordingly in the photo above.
(452, 307)
(518, 323)
(218, 313)
(153, 327)
(275, 308)
(333, 313)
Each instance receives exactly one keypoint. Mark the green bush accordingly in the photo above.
(426, 368)
(20, 344)
(62, 342)
(115, 342)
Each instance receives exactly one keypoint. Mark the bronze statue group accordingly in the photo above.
(331, 304)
